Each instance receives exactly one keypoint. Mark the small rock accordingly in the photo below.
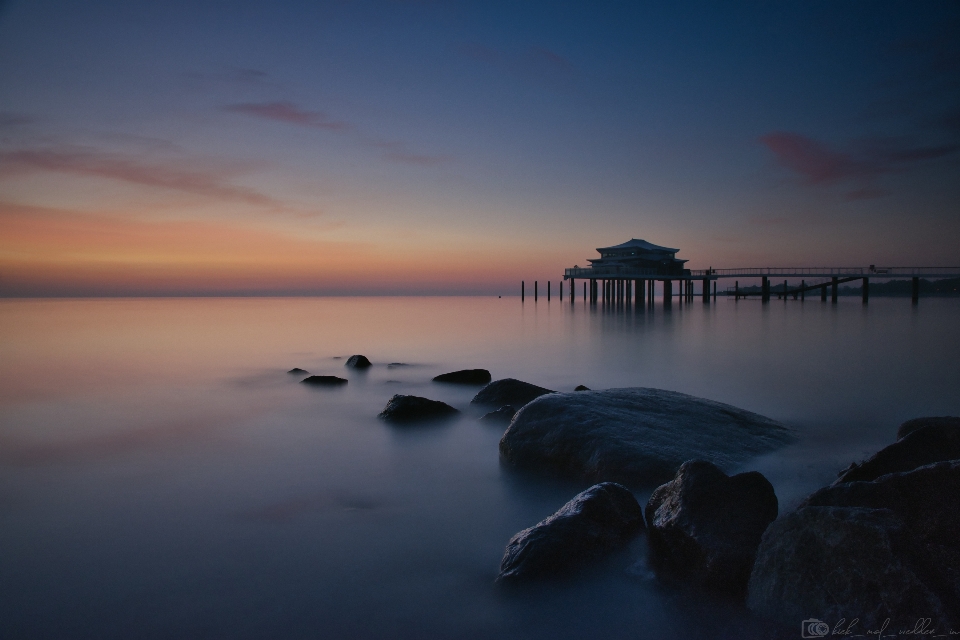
(706, 526)
(297, 371)
(580, 387)
(509, 391)
(323, 381)
(394, 365)
(925, 445)
(465, 376)
(910, 426)
(502, 415)
(598, 520)
(402, 409)
(357, 362)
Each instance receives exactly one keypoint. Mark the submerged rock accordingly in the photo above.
(705, 526)
(509, 391)
(870, 550)
(297, 371)
(465, 376)
(503, 415)
(357, 362)
(935, 442)
(635, 435)
(323, 381)
(910, 426)
(598, 520)
(401, 409)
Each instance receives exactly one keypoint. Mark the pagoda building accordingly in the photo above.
(638, 257)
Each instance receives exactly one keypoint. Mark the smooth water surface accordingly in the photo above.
(162, 476)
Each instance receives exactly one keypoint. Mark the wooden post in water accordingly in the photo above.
(560, 287)
(915, 294)
(714, 290)
(536, 284)
(834, 290)
(521, 290)
(823, 293)
(784, 290)
(706, 291)
(765, 290)
(736, 290)
(803, 289)
(641, 291)
(667, 292)
(865, 290)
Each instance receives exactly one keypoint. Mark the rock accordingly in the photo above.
(509, 391)
(465, 376)
(869, 550)
(706, 526)
(401, 409)
(357, 362)
(323, 381)
(918, 423)
(297, 371)
(580, 387)
(503, 415)
(634, 436)
(596, 521)
(923, 446)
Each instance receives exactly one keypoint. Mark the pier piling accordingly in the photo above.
(521, 290)
(667, 292)
(865, 290)
(915, 293)
(548, 291)
(706, 290)
(535, 286)
(834, 289)
(765, 290)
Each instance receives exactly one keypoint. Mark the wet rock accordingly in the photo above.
(925, 445)
(404, 409)
(871, 550)
(705, 526)
(635, 436)
(323, 381)
(596, 521)
(465, 376)
(297, 371)
(503, 415)
(910, 426)
(357, 362)
(580, 387)
(509, 391)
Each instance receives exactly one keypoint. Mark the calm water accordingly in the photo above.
(162, 477)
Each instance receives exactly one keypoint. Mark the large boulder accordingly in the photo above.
(885, 549)
(501, 416)
(634, 436)
(931, 443)
(357, 362)
(406, 409)
(596, 521)
(323, 381)
(910, 426)
(465, 376)
(509, 391)
(705, 526)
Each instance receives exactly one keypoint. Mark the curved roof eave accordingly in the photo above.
(633, 243)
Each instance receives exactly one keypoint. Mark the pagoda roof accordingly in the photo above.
(639, 244)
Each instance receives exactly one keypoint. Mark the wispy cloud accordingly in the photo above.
(12, 119)
(210, 181)
(819, 165)
(289, 113)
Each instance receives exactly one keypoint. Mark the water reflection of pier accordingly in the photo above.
(627, 274)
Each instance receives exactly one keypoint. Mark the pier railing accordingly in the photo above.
(827, 272)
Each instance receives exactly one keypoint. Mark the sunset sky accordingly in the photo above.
(396, 147)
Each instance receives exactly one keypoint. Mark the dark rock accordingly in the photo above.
(634, 436)
(910, 426)
(580, 387)
(923, 446)
(297, 371)
(503, 415)
(706, 526)
(599, 520)
(465, 376)
(509, 391)
(357, 362)
(323, 381)
(868, 550)
(402, 409)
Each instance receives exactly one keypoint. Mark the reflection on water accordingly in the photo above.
(161, 475)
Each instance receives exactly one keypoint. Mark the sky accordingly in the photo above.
(445, 147)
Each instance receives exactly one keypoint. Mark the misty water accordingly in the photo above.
(162, 476)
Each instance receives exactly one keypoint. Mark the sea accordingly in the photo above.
(163, 476)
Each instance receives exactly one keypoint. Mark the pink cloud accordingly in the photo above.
(289, 113)
(816, 162)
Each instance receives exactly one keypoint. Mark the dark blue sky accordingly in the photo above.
(492, 140)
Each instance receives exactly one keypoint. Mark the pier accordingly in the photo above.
(627, 274)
